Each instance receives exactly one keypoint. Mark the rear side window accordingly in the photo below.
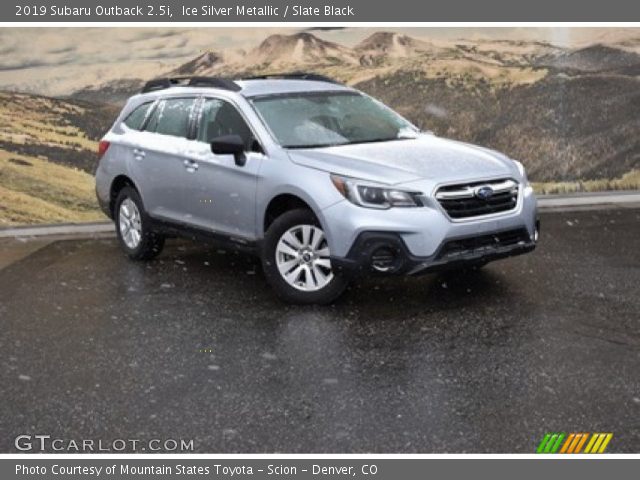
(134, 119)
(172, 117)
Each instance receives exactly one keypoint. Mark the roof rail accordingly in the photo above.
(157, 84)
(295, 76)
(168, 82)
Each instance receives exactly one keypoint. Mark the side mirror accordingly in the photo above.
(230, 145)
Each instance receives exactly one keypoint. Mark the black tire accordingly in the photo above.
(284, 290)
(150, 244)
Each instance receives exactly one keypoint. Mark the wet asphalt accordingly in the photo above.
(194, 345)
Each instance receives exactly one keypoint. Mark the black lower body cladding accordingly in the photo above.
(386, 253)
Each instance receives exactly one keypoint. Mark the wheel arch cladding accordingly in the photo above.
(117, 185)
(282, 203)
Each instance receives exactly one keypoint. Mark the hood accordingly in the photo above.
(400, 161)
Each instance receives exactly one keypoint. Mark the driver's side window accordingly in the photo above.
(221, 118)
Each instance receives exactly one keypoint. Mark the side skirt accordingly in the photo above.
(175, 229)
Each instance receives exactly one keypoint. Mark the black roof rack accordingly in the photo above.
(168, 82)
(295, 76)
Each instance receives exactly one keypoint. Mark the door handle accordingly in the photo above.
(190, 165)
(138, 154)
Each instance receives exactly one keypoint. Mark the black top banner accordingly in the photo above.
(319, 11)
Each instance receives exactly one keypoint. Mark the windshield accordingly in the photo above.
(322, 119)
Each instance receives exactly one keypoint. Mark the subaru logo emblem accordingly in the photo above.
(484, 193)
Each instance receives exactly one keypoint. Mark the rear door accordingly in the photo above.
(160, 166)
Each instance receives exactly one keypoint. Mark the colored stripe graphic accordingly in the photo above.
(553, 442)
(544, 441)
(567, 442)
(590, 444)
(556, 446)
(581, 442)
(598, 443)
(550, 443)
(579, 437)
(605, 443)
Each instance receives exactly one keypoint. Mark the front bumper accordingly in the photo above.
(417, 237)
(386, 253)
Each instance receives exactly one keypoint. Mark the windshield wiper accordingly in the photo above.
(354, 142)
(377, 140)
(313, 145)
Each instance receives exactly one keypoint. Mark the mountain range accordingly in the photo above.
(568, 114)
(380, 53)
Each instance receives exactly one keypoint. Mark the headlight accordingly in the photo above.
(522, 171)
(374, 196)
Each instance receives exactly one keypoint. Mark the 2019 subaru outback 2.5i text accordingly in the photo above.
(320, 180)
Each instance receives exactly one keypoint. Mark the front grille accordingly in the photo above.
(483, 243)
(467, 199)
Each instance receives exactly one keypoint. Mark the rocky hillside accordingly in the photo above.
(562, 128)
(595, 58)
(199, 65)
(113, 93)
(47, 158)
(62, 131)
(571, 116)
(300, 49)
(387, 48)
(567, 114)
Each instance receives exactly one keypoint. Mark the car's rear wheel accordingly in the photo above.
(296, 260)
(133, 227)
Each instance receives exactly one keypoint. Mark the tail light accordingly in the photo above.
(103, 146)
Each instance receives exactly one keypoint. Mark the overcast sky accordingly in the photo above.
(54, 59)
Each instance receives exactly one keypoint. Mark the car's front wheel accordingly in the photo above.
(133, 227)
(296, 260)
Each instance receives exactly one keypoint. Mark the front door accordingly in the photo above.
(221, 195)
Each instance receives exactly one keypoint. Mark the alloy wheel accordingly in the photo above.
(302, 258)
(130, 223)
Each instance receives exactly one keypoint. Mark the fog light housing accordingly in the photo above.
(384, 259)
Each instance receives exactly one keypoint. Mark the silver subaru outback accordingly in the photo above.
(321, 181)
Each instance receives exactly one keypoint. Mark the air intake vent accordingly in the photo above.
(483, 243)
